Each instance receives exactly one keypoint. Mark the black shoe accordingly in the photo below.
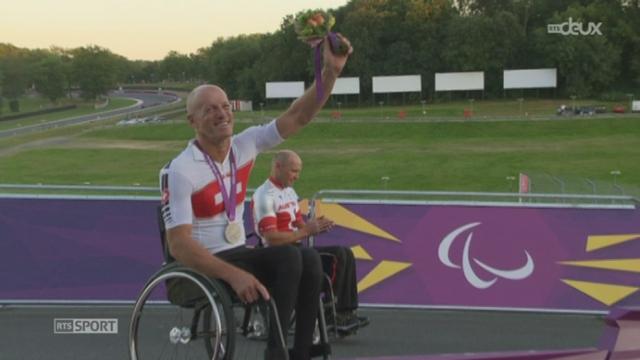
(275, 353)
(318, 350)
(363, 321)
(347, 322)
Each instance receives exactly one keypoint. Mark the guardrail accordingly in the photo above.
(476, 198)
(93, 192)
(359, 196)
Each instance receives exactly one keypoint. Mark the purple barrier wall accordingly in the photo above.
(504, 257)
(77, 249)
(432, 255)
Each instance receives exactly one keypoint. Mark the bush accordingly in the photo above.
(37, 112)
(14, 105)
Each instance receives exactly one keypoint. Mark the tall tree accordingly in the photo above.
(94, 71)
(587, 64)
(1, 98)
(51, 77)
(175, 66)
(231, 63)
(484, 43)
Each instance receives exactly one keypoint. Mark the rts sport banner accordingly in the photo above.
(572, 259)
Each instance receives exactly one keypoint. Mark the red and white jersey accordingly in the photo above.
(191, 194)
(275, 209)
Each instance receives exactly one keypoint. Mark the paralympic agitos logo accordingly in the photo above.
(574, 28)
(470, 274)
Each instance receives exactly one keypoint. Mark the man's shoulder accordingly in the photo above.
(259, 137)
(182, 163)
(263, 188)
(265, 191)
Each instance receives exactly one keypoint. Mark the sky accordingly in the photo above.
(142, 29)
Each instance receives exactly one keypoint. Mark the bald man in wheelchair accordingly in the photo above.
(278, 221)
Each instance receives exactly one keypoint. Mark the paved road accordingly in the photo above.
(145, 100)
(27, 333)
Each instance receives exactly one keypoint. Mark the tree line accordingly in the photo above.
(390, 37)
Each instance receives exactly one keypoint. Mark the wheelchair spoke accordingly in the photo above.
(191, 326)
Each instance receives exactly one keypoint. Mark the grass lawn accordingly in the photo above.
(459, 156)
(507, 108)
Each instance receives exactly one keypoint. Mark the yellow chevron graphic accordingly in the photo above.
(607, 294)
(360, 253)
(384, 270)
(345, 218)
(596, 242)
(304, 206)
(632, 265)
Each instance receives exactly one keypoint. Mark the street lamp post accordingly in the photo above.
(573, 103)
(471, 105)
(512, 180)
(262, 109)
(385, 182)
(630, 96)
(521, 102)
(381, 103)
(424, 107)
(615, 174)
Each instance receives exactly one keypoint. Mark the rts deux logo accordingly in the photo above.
(574, 28)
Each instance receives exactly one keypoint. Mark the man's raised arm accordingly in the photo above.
(305, 108)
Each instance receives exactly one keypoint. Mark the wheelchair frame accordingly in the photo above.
(216, 293)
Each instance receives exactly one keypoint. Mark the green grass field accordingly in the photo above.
(82, 109)
(415, 155)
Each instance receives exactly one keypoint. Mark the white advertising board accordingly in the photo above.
(284, 89)
(346, 86)
(455, 81)
(393, 84)
(530, 79)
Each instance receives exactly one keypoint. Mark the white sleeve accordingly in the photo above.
(261, 137)
(263, 206)
(177, 190)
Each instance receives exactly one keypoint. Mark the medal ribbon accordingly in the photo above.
(229, 198)
(333, 42)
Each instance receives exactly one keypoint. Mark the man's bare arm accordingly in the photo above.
(190, 253)
(305, 108)
(312, 227)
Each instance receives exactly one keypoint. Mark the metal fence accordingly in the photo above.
(559, 184)
(544, 193)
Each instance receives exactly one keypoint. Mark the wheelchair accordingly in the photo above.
(327, 315)
(198, 322)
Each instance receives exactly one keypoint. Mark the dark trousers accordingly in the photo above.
(344, 276)
(293, 276)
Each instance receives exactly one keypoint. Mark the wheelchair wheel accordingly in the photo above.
(199, 325)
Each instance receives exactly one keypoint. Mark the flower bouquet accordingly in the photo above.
(312, 26)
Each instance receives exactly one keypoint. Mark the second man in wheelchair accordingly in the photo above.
(279, 221)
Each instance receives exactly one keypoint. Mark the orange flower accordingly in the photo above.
(318, 18)
(312, 22)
